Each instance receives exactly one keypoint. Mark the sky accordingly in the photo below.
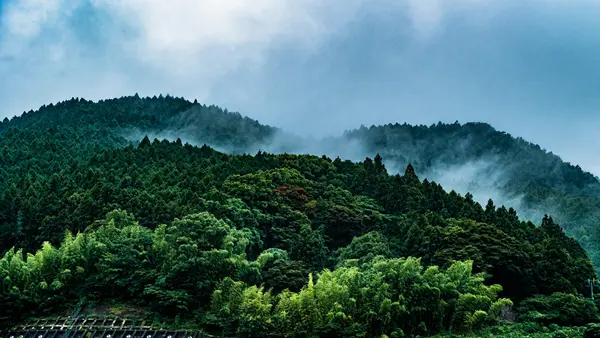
(315, 68)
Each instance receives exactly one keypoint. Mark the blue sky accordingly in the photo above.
(531, 68)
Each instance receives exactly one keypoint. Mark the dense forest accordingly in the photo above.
(240, 244)
(518, 170)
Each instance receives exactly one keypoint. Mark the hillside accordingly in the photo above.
(288, 244)
(472, 157)
(476, 158)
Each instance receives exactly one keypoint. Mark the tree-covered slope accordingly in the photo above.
(130, 117)
(473, 157)
(199, 217)
(477, 158)
(293, 245)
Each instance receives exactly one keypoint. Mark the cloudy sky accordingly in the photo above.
(314, 67)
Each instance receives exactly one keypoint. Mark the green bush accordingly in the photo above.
(591, 331)
(393, 297)
(559, 308)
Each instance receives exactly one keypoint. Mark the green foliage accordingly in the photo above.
(279, 272)
(288, 244)
(173, 269)
(523, 330)
(591, 330)
(379, 297)
(540, 177)
(240, 310)
(365, 248)
(559, 308)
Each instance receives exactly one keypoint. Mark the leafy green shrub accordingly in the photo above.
(591, 331)
(559, 308)
(395, 297)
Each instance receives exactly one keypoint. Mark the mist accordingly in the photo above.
(484, 177)
(484, 181)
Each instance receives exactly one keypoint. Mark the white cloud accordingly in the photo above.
(428, 15)
(213, 36)
(184, 46)
(25, 18)
(206, 38)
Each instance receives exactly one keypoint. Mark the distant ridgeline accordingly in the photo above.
(191, 233)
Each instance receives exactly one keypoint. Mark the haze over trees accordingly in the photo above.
(293, 245)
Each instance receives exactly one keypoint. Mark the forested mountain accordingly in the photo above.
(293, 245)
(512, 170)
(534, 180)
